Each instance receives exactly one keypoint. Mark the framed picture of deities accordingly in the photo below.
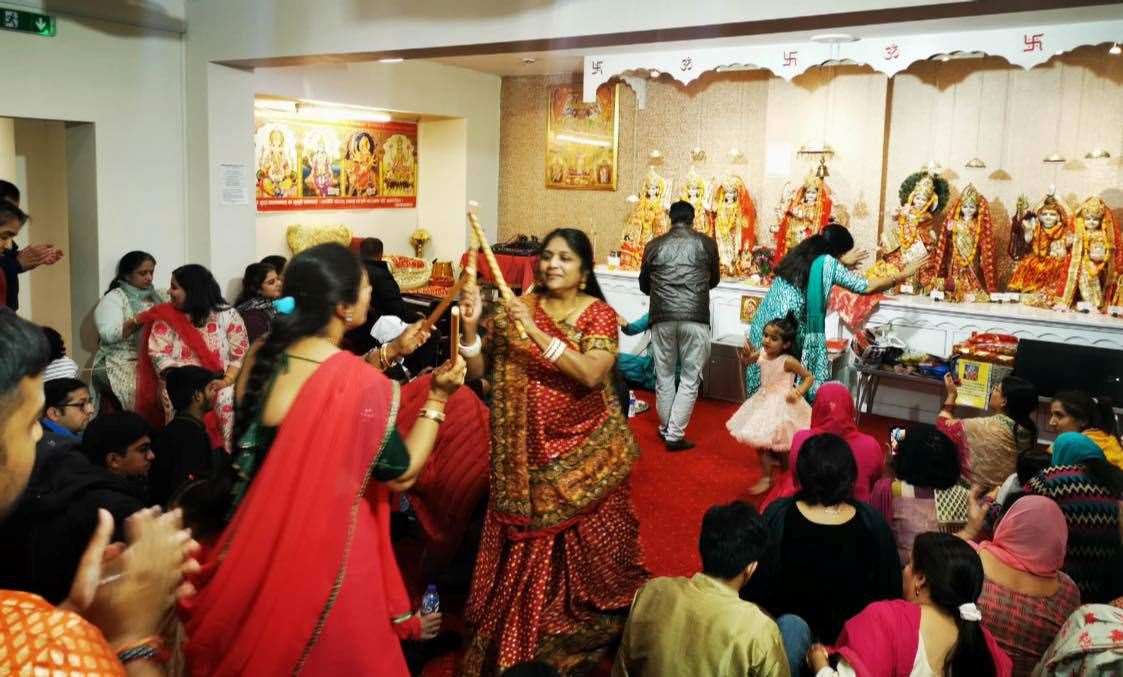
(581, 138)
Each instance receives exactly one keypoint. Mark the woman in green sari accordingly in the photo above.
(803, 286)
(130, 294)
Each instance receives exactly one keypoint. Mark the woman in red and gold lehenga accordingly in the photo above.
(303, 578)
(559, 558)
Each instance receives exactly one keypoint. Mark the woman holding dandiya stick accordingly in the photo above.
(559, 558)
(303, 577)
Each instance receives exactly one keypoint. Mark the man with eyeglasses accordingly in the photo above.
(67, 411)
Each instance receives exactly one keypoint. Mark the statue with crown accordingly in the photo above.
(963, 262)
(647, 220)
(914, 233)
(734, 221)
(1095, 260)
(698, 193)
(803, 213)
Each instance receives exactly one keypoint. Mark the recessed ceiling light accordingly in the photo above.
(834, 38)
(1115, 49)
(945, 57)
(528, 60)
(654, 73)
(391, 59)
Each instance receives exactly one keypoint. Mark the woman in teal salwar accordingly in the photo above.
(802, 286)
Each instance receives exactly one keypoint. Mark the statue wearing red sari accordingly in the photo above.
(1048, 231)
(964, 257)
(806, 214)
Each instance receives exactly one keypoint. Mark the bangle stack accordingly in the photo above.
(468, 352)
(555, 350)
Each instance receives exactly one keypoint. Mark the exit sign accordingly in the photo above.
(27, 22)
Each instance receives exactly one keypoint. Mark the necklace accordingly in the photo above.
(560, 317)
(832, 509)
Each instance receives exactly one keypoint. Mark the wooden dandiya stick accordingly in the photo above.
(454, 334)
(431, 321)
(496, 273)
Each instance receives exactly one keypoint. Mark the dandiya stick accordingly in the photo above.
(496, 273)
(454, 334)
(431, 321)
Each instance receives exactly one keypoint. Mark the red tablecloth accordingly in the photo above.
(518, 271)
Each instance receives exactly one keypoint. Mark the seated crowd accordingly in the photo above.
(961, 548)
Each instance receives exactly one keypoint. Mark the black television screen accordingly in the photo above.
(1063, 366)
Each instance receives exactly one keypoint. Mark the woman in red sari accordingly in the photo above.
(559, 558)
(303, 578)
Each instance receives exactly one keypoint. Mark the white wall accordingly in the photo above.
(459, 157)
(129, 84)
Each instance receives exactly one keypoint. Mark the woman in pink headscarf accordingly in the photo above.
(833, 412)
(1026, 597)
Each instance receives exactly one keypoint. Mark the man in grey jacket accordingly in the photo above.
(679, 269)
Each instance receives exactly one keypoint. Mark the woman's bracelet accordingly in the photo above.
(149, 649)
(555, 350)
(470, 351)
(433, 415)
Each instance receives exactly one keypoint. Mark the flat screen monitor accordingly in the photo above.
(1053, 367)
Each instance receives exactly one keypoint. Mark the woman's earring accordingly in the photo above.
(349, 318)
(582, 285)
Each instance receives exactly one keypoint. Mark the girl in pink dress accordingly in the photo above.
(769, 419)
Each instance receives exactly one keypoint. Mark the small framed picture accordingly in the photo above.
(749, 305)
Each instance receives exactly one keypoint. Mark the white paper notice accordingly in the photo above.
(233, 187)
(778, 159)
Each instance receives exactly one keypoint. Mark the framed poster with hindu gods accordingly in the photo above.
(304, 163)
(581, 138)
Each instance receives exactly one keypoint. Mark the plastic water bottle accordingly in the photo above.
(430, 601)
(631, 403)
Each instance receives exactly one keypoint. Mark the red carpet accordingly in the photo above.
(672, 491)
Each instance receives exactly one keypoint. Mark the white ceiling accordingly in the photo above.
(572, 61)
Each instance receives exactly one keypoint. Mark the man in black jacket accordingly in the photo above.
(385, 296)
(679, 269)
(183, 449)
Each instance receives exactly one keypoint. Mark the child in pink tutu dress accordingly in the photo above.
(769, 419)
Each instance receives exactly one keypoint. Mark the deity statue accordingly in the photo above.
(806, 213)
(734, 224)
(964, 257)
(1096, 257)
(914, 233)
(696, 192)
(359, 177)
(1048, 232)
(647, 220)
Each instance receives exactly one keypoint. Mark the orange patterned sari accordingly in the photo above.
(559, 558)
(36, 638)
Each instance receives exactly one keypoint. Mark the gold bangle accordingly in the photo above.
(433, 415)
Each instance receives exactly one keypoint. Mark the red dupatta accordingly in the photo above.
(881, 641)
(273, 578)
(147, 380)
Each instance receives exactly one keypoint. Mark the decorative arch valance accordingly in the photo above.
(1023, 46)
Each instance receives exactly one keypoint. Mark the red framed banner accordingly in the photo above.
(313, 164)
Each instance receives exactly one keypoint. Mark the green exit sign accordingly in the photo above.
(27, 22)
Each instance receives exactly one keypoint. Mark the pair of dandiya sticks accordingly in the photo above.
(468, 276)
